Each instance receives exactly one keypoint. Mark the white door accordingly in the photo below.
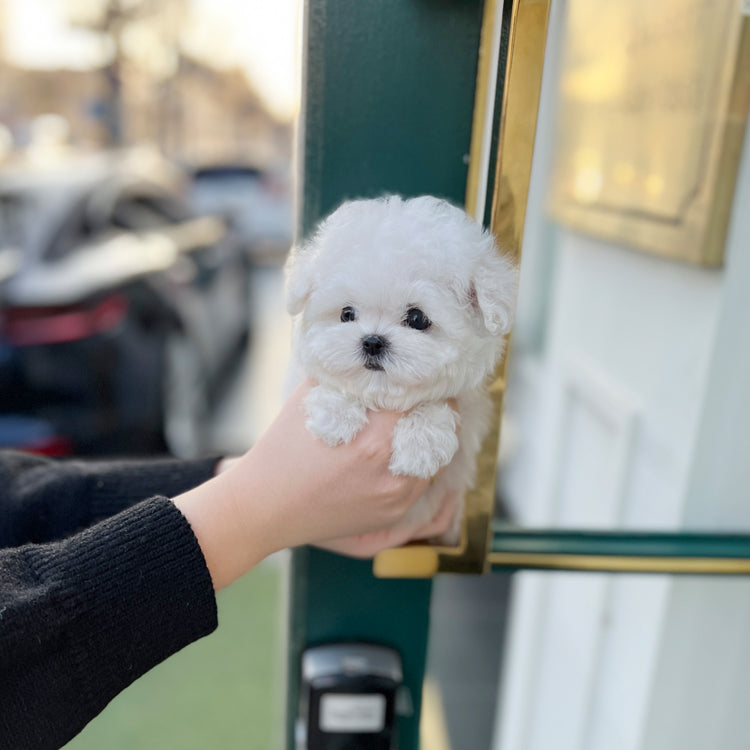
(628, 407)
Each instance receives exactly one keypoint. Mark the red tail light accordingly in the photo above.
(30, 326)
(56, 446)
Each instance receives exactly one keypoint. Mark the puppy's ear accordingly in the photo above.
(493, 290)
(300, 276)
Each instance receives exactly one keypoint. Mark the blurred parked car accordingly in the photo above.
(121, 310)
(257, 201)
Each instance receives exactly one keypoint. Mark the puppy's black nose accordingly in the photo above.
(374, 346)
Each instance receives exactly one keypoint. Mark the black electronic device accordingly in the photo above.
(348, 697)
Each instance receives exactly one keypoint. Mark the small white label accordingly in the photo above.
(352, 713)
(745, 5)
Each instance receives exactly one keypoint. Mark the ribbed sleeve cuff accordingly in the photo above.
(135, 589)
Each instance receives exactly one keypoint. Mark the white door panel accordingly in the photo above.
(641, 405)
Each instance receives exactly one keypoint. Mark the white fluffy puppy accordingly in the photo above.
(402, 304)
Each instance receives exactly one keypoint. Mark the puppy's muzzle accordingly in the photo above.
(374, 349)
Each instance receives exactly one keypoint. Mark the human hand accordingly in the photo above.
(292, 489)
(369, 544)
(312, 491)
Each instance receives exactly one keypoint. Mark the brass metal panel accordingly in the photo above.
(652, 114)
(523, 78)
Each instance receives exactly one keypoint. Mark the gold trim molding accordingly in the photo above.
(523, 80)
(622, 564)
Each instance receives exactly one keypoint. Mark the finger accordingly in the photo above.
(365, 546)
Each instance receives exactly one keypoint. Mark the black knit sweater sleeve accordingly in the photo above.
(83, 617)
(43, 499)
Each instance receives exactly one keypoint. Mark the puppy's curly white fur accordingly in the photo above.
(402, 304)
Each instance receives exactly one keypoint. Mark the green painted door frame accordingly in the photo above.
(388, 94)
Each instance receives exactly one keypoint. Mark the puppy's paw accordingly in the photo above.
(424, 440)
(332, 416)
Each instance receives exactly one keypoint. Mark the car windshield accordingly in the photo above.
(14, 211)
(133, 211)
(138, 212)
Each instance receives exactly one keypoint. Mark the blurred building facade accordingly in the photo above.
(193, 112)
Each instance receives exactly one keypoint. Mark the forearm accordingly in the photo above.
(42, 499)
(231, 542)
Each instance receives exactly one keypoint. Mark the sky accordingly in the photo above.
(258, 35)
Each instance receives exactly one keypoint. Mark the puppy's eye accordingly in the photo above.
(348, 314)
(415, 318)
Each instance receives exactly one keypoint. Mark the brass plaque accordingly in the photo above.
(652, 113)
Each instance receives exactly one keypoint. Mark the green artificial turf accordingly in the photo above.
(225, 691)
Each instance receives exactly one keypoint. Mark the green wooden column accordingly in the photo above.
(388, 95)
